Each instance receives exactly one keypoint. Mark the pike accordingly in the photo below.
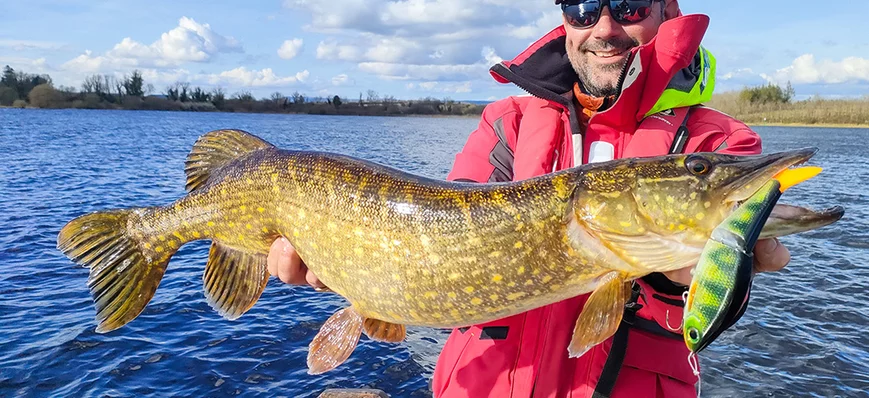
(408, 250)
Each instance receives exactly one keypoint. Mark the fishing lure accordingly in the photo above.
(722, 278)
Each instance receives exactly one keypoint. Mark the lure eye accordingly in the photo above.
(693, 335)
(698, 166)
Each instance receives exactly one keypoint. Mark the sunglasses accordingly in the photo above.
(583, 14)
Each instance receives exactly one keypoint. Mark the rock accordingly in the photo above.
(353, 393)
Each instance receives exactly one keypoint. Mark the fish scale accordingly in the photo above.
(408, 250)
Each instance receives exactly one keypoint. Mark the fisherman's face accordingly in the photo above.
(598, 54)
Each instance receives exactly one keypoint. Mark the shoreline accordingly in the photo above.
(819, 125)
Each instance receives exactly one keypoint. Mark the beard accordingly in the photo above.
(599, 80)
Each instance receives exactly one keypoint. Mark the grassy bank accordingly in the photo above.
(812, 112)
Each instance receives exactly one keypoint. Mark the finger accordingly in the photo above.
(274, 254)
(289, 264)
(681, 276)
(770, 255)
(312, 279)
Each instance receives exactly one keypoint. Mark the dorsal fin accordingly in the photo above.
(215, 149)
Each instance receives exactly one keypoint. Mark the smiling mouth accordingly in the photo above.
(609, 54)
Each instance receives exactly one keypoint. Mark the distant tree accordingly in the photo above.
(218, 97)
(8, 95)
(336, 101)
(200, 95)
(244, 96)
(9, 79)
(770, 93)
(133, 84)
(45, 96)
(372, 96)
(298, 98)
(184, 95)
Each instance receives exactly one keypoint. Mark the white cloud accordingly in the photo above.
(463, 87)
(24, 45)
(190, 41)
(290, 49)
(242, 76)
(806, 70)
(340, 80)
(423, 72)
(331, 50)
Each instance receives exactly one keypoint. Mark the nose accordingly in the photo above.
(607, 27)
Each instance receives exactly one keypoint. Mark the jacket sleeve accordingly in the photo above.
(487, 155)
(717, 132)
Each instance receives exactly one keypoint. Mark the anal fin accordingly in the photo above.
(384, 331)
(601, 315)
(335, 341)
(234, 279)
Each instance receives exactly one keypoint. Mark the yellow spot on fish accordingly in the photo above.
(476, 301)
(693, 195)
(682, 227)
(613, 195)
(529, 282)
(173, 244)
(178, 235)
(265, 230)
(451, 295)
(620, 207)
(196, 234)
(671, 227)
(425, 240)
(518, 245)
(700, 216)
(469, 289)
(454, 276)
(301, 213)
(243, 208)
(625, 224)
(495, 254)
(147, 245)
(515, 296)
(434, 258)
(497, 278)
(685, 206)
(210, 223)
(430, 294)
(521, 270)
(511, 284)
(249, 226)
(547, 278)
(158, 249)
(707, 205)
(162, 238)
(671, 199)
(493, 297)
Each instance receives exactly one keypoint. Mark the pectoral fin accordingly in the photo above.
(384, 331)
(335, 342)
(601, 315)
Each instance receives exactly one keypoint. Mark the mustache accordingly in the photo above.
(612, 44)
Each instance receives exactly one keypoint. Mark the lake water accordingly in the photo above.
(803, 335)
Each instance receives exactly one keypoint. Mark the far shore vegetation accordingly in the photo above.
(769, 104)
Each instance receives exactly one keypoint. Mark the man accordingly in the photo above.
(617, 79)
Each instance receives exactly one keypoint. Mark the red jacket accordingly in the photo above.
(522, 137)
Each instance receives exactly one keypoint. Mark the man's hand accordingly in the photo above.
(769, 256)
(284, 262)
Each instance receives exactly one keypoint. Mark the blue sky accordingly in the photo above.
(403, 48)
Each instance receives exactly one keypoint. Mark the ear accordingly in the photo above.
(671, 9)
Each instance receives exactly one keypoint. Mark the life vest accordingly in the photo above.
(657, 112)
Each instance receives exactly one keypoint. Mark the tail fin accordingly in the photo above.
(124, 270)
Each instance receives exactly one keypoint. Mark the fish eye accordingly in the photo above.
(698, 166)
(693, 334)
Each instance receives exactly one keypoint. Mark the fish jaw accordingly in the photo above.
(749, 173)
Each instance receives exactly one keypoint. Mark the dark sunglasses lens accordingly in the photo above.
(627, 12)
(582, 15)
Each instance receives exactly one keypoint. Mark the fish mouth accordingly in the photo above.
(762, 168)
